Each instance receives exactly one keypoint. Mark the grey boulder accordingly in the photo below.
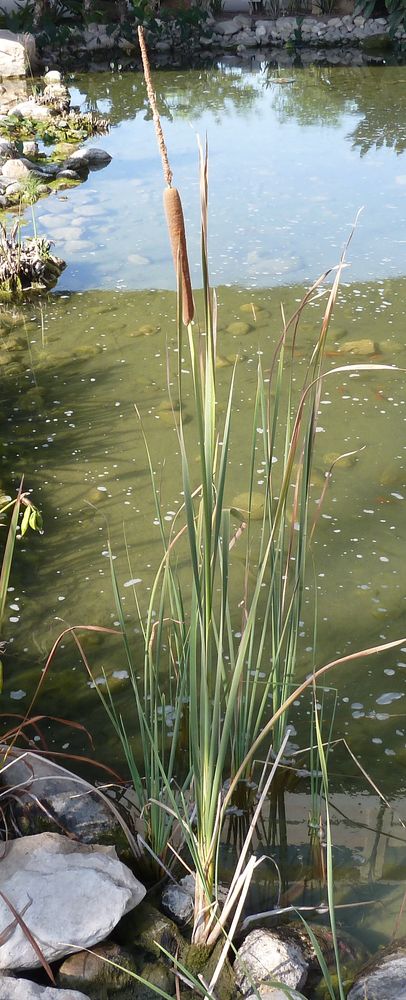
(70, 895)
(22, 989)
(178, 900)
(8, 150)
(91, 156)
(51, 793)
(384, 978)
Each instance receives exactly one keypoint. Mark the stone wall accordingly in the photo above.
(372, 33)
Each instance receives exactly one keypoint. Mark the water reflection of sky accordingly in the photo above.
(290, 165)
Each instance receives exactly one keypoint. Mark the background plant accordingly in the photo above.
(396, 12)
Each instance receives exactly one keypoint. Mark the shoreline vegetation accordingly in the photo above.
(202, 34)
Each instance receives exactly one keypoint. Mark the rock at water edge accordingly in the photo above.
(384, 979)
(21, 989)
(264, 957)
(76, 806)
(89, 155)
(17, 54)
(70, 895)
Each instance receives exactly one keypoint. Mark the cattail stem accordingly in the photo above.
(172, 202)
(154, 108)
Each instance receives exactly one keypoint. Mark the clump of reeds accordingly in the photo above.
(26, 265)
(172, 200)
(229, 692)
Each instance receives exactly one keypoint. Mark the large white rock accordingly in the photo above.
(53, 76)
(21, 989)
(17, 54)
(265, 958)
(70, 896)
(30, 109)
(17, 168)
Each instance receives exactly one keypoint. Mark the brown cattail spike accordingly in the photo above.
(172, 202)
(176, 228)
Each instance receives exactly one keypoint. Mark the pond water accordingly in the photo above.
(290, 166)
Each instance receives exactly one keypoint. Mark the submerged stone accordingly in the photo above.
(376, 43)
(249, 505)
(156, 975)
(92, 970)
(145, 330)
(152, 930)
(366, 347)
(178, 900)
(238, 328)
(345, 463)
(225, 360)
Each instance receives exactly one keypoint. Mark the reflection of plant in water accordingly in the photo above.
(188, 94)
(324, 96)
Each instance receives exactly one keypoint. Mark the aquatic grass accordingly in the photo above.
(31, 519)
(213, 668)
(223, 708)
(219, 695)
(329, 874)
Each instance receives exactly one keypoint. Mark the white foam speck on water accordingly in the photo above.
(17, 695)
(386, 699)
(133, 582)
(120, 675)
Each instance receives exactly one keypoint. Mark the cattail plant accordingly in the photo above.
(172, 201)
